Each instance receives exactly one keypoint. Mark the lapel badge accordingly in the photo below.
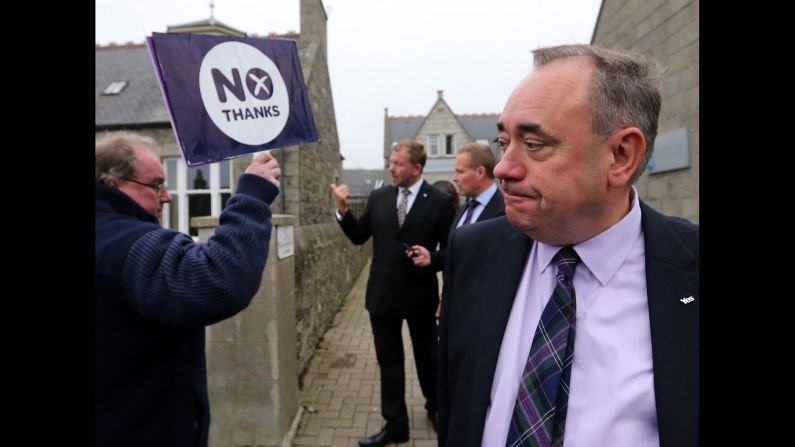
(688, 300)
(425, 194)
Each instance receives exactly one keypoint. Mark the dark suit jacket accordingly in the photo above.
(395, 283)
(475, 313)
(495, 208)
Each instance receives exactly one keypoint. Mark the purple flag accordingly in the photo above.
(231, 96)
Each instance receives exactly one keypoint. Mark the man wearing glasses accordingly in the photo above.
(156, 290)
(159, 188)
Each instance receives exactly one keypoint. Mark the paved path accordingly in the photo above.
(342, 383)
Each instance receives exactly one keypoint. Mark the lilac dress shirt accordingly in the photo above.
(611, 402)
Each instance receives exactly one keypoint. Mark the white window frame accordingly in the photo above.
(433, 145)
(181, 190)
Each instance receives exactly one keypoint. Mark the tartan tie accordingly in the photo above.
(539, 416)
(471, 205)
(403, 205)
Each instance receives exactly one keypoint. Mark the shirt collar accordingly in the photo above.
(484, 197)
(415, 188)
(604, 253)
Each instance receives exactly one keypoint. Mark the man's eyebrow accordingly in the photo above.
(530, 128)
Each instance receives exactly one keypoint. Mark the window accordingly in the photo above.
(115, 88)
(200, 191)
(448, 148)
(433, 144)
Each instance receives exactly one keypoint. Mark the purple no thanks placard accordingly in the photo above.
(231, 96)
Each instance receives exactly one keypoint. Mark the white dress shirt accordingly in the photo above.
(415, 189)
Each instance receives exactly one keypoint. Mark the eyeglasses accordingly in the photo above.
(158, 188)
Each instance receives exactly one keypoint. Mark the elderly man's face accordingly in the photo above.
(553, 170)
(150, 171)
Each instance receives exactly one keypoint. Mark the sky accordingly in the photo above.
(391, 54)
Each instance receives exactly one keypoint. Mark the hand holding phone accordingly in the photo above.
(410, 251)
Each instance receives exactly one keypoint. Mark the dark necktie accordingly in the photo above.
(471, 205)
(539, 416)
(403, 205)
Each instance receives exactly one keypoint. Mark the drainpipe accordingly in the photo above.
(281, 190)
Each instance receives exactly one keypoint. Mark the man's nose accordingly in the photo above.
(165, 197)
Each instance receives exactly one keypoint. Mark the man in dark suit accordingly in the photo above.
(474, 176)
(616, 362)
(407, 213)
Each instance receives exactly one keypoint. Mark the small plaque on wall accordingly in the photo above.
(671, 151)
(284, 241)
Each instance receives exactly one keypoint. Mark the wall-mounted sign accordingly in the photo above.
(284, 241)
(671, 151)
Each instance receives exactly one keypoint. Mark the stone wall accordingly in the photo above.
(326, 262)
(327, 265)
(252, 377)
(668, 30)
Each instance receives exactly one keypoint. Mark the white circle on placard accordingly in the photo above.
(244, 93)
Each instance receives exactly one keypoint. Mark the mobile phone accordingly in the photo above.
(408, 248)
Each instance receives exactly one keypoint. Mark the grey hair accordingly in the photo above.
(624, 90)
(115, 154)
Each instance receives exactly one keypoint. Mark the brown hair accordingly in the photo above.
(480, 155)
(416, 151)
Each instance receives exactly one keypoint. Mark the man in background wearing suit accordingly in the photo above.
(612, 357)
(474, 176)
(409, 212)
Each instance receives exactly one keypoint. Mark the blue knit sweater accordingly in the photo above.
(155, 291)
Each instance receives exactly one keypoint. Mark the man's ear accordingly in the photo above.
(627, 147)
(481, 171)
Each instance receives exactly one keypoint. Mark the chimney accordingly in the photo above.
(440, 93)
(313, 23)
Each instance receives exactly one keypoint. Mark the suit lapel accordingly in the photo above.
(419, 203)
(492, 209)
(670, 277)
(505, 260)
(461, 211)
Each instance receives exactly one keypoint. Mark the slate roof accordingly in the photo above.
(141, 101)
(403, 127)
(482, 126)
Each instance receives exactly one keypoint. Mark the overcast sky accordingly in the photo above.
(388, 53)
